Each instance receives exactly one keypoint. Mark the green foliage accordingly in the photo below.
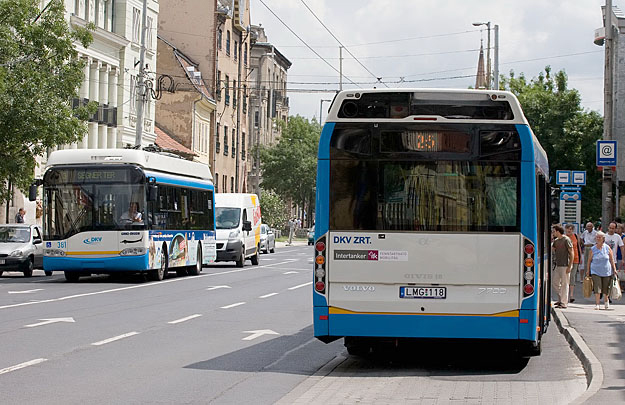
(40, 73)
(567, 132)
(289, 168)
(273, 209)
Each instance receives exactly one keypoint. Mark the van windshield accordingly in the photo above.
(227, 218)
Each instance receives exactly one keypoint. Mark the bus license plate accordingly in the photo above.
(423, 292)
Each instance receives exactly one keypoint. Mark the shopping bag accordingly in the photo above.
(587, 286)
(615, 289)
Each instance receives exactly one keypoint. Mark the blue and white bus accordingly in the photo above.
(125, 210)
(432, 220)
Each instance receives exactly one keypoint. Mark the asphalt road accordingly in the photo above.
(230, 335)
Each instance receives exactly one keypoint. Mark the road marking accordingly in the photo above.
(258, 333)
(109, 340)
(22, 365)
(26, 291)
(215, 287)
(185, 319)
(291, 272)
(268, 295)
(233, 305)
(49, 321)
(300, 286)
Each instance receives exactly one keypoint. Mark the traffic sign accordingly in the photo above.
(606, 153)
(579, 178)
(563, 177)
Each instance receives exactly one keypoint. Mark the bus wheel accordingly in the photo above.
(241, 261)
(159, 274)
(72, 276)
(254, 258)
(356, 347)
(195, 270)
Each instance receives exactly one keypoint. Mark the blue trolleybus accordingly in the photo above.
(432, 220)
(124, 210)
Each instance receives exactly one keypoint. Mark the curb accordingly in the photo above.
(592, 366)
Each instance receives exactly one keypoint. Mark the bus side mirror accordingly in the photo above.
(152, 192)
(247, 226)
(32, 192)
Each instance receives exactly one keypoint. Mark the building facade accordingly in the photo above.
(267, 98)
(231, 146)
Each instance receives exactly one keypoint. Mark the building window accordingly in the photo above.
(228, 43)
(133, 93)
(100, 13)
(235, 90)
(148, 33)
(224, 183)
(136, 25)
(226, 82)
(243, 146)
(234, 144)
(80, 9)
(219, 35)
(236, 49)
(216, 182)
(245, 55)
(232, 184)
(256, 118)
(217, 144)
(225, 140)
(218, 87)
(244, 95)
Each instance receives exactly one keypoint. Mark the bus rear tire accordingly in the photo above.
(195, 270)
(72, 276)
(356, 347)
(254, 258)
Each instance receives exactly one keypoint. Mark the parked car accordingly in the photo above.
(267, 239)
(21, 248)
(311, 235)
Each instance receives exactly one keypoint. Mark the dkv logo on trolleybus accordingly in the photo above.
(92, 240)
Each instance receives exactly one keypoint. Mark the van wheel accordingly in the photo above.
(159, 274)
(195, 270)
(72, 276)
(28, 268)
(241, 261)
(254, 258)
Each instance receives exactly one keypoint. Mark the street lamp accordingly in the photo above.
(496, 51)
(321, 109)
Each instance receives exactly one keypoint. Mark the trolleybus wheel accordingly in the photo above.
(72, 276)
(195, 270)
(159, 274)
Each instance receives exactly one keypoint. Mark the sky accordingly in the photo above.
(419, 43)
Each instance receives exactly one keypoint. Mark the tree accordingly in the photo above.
(290, 167)
(567, 132)
(273, 209)
(40, 73)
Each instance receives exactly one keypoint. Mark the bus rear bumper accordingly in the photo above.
(96, 265)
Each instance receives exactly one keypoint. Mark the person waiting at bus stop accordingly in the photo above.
(601, 268)
(563, 249)
(587, 240)
(132, 215)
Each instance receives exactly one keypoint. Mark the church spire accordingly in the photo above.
(480, 78)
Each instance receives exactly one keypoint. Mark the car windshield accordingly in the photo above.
(227, 218)
(13, 234)
(263, 229)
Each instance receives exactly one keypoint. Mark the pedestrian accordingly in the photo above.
(19, 217)
(569, 228)
(615, 241)
(564, 255)
(292, 225)
(588, 241)
(620, 229)
(601, 267)
(38, 212)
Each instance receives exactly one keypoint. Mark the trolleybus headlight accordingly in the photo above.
(135, 251)
(16, 253)
(320, 286)
(528, 275)
(53, 252)
(528, 289)
(529, 249)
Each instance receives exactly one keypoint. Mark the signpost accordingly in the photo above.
(606, 153)
(570, 195)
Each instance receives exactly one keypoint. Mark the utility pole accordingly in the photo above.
(488, 74)
(141, 82)
(496, 68)
(607, 206)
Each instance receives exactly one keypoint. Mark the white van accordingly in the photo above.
(237, 221)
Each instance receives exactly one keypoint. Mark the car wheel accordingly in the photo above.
(273, 248)
(48, 273)
(72, 276)
(160, 273)
(28, 268)
(256, 256)
(195, 270)
(241, 261)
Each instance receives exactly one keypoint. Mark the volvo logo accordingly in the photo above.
(368, 288)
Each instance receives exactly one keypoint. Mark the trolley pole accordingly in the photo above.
(141, 78)
(607, 206)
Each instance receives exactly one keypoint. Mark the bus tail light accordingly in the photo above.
(320, 265)
(528, 267)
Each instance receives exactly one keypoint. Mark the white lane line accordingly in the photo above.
(291, 272)
(109, 340)
(268, 295)
(233, 305)
(300, 286)
(22, 365)
(185, 319)
(26, 291)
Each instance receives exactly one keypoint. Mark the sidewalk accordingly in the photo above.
(599, 335)
(298, 242)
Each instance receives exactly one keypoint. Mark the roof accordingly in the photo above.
(168, 143)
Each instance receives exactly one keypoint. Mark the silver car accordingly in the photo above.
(267, 239)
(21, 248)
